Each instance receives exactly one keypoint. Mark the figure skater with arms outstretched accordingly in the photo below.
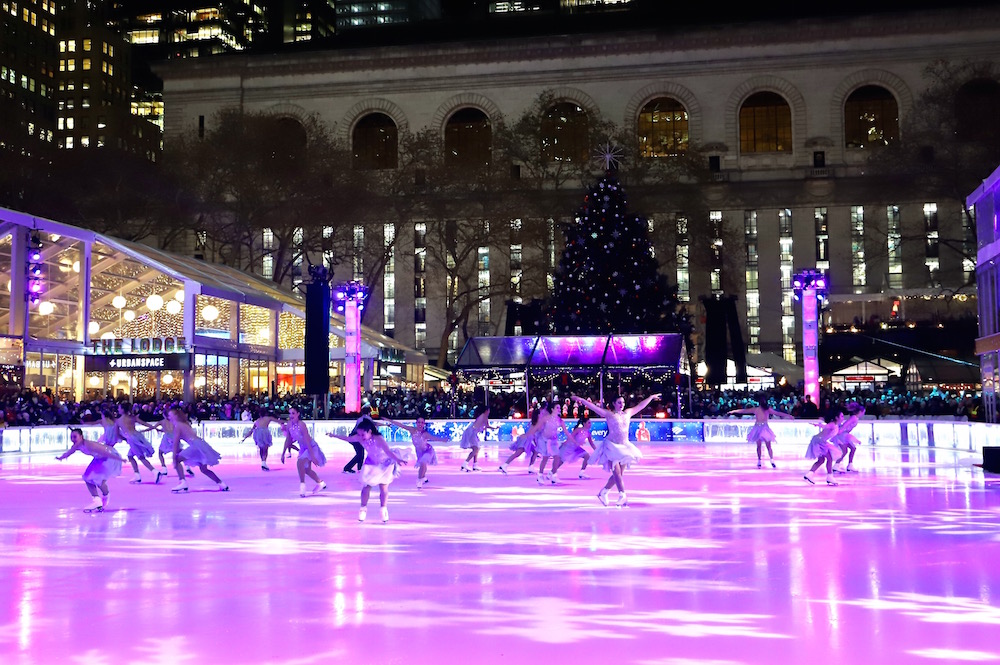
(421, 445)
(761, 432)
(379, 469)
(261, 434)
(107, 463)
(616, 453)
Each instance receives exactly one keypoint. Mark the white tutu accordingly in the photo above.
(547, 447)
(138, 446)
(319, 459)
(570, 452)
(166, 443)
(262, 437)
(470, 438)
(820, 447)
(198, 452)
(608, 453)
(761, 433)
(101, 469)
(428, 456)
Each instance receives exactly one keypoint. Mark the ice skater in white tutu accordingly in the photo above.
(848, 442)
(761, 432)
(380, 468)
(422, 439)
(261, 434)
(107, 464)
(616, 453)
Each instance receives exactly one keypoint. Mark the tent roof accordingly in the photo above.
(213, 279)
(571, 351)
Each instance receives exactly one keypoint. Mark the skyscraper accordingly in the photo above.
(28, 69)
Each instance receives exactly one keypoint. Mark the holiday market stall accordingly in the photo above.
(542, 359)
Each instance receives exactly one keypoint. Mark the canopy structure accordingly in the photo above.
(571, 352)
(598, 354)
(80, 307)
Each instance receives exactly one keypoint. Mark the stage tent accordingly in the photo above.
(546, 356)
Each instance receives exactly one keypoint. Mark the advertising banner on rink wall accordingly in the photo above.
(226, 436)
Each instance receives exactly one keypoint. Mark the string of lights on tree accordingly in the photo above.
(608, 279)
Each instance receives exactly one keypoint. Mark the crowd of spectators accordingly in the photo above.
(42, 408)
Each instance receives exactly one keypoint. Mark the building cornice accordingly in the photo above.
(659, 44)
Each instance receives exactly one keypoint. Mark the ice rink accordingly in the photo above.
(713, 562)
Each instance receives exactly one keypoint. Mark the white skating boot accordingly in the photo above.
(136, 478)
(362, 514)
(182, 487)
(602, 496)
(223, 487)
(809, 478)
(622, 500)
(830, 480)
(385, 515)
(302, 489)
(95, 506)
(320, 486)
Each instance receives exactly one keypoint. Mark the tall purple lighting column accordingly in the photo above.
(350, 299)
(810, 288)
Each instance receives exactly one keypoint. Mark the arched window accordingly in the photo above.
(976, 115)
(468, 139)
(375, 142)
(284, 142)
(565, 131)
(765, 124)
(663, 128)
(871, 117)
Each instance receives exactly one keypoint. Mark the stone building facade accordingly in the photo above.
(786, 115)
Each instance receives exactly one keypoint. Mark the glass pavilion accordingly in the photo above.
(86, 315)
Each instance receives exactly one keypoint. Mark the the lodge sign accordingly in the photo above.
(137, 345)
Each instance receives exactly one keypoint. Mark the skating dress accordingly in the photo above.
(423, 448)
(379, 468)
(299, 434)
(198, 452)
(262, 437)
(166, 443)
(616, 448)
(571, 450)
(111, 434)
(102, 468)
(821, 445)
(470, 437)
(761, 433)
(138, 446)
(844, 438)
(547, 441)
(525, 442)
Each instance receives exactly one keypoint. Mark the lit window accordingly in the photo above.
(871, 118)
(765, 124)
(565, 133)
(663, 128)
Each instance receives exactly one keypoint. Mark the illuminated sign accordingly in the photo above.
(141, 363)
(137, 345)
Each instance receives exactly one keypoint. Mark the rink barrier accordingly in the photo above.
(225, 436)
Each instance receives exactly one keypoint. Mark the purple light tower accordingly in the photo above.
(350, 302)
(810, 287)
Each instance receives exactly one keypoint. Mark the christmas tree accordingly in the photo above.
(608, 279)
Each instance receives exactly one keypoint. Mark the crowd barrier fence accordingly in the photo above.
(226, 436)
